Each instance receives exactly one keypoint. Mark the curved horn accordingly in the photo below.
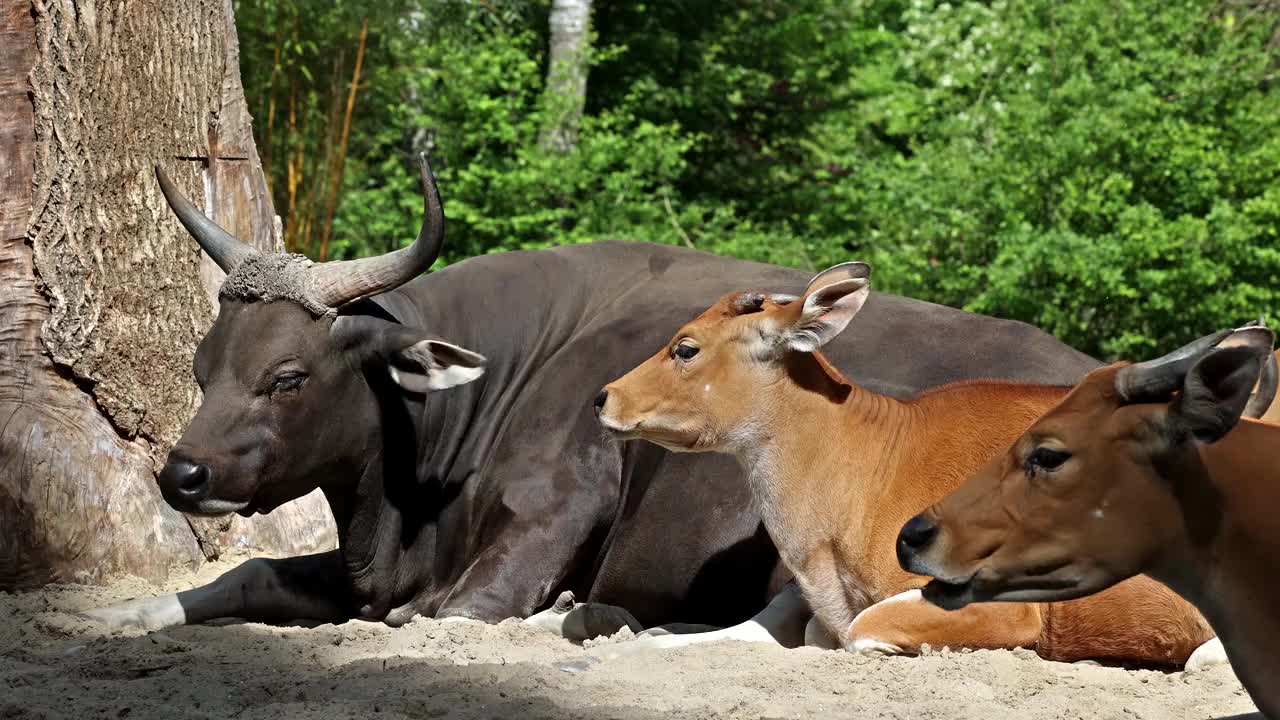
(1156, 379)
(337, 283)
(226, 249)
(1265, 393)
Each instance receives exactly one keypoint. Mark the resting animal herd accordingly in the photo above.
(448, 420)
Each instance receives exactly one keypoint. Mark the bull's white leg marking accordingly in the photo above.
(251, 590)
(552, 619)
(154, 613)
(1208, 655)
(577, 621)
(782, 623)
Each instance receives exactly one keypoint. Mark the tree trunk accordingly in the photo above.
(566, 92)
(103, 296)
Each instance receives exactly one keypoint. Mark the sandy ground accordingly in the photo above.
(55, 665)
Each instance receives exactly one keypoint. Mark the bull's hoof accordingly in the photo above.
(401, 616)
(564, 603)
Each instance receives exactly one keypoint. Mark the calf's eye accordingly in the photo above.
(1044, 458)
(685, 350)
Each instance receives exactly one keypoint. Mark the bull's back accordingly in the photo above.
(630, 297)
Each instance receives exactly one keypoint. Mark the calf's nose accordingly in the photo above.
(916, 535)
(601, 399)
(184, 481)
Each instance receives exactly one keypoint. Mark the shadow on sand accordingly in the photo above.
(252, 671)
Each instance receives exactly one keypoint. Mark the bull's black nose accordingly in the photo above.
(601, 399)
(917, 533)
(187, 480)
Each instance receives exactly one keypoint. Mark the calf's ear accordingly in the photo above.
(1217, 388)
(830, 301)
(434, 365)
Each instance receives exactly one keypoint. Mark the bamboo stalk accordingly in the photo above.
(321, 166)
(271, 111)
(335, 181)
(292, 152)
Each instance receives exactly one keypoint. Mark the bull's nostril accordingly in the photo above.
(196, 479)
(918, 532)
(601, 399)
(190, 479)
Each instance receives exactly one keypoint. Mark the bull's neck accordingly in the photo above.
(818, 430)
(386, 507)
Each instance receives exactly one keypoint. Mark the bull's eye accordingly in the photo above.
(685, 350)
(1043, 458)
(287, 383)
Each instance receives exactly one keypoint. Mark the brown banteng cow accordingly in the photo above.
(1141, 469)
(837, 468)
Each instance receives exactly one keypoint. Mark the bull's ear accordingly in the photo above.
(434, 365)
(830, 301)
(1217, 388)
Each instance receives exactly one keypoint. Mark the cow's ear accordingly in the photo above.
(434, 365)
(1216, 390)
(830, 301)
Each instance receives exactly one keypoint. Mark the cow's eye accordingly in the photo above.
(685, 350)
(1043, 458)
(287, 383)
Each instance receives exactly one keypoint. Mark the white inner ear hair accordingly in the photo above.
(267, 277)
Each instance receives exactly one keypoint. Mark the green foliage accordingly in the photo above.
(1109, 171)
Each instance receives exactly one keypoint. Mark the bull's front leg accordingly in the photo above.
(310, 587)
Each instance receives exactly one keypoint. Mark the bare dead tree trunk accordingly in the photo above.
(102, 294)
(566, 91)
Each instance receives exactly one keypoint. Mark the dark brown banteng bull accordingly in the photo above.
(837, 469)
(1141, 469)
(486, 500)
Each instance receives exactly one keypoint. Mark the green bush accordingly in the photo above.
(1109, 171)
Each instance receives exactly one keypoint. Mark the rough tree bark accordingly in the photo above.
(102, 295)
(566, 91)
